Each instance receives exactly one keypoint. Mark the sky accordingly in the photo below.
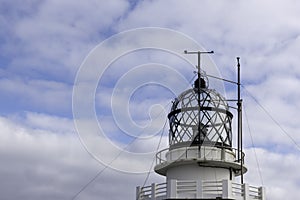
(86, 87)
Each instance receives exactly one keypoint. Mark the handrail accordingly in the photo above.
(201, 153)
(208, 189)
(146, 192)
(212, 187)
(254, 191)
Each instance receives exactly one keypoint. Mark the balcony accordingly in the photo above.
(190, 189)
(204, 156)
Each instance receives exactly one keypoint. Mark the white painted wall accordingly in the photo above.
(195, 172)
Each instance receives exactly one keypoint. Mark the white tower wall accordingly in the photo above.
(195, 172)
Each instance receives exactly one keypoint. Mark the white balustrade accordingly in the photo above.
(190, 189)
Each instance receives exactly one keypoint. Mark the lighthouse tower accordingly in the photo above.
(200, 162)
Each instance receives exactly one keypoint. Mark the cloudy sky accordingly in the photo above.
(47, 146)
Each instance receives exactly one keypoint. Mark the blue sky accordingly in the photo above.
(43, 43)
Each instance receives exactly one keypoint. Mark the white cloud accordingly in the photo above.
(43, 43)
(39, 162)
(57, 32)
(279, 172)
(40, 95)
(279, 99)
(252, 30)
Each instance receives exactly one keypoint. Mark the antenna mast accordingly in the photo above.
(239, 106)
(199, 84)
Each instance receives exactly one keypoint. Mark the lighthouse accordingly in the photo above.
(201, 161)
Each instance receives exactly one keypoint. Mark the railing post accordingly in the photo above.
(199, 191)
(227, 189)
(262, 193)
(138, 192)
(172, 189)
(153, 191)
(246, 191)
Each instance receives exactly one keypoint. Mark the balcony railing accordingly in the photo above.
(191, 189)
(205, 153)
(152, 192)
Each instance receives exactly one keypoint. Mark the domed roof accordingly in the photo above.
(214, 117)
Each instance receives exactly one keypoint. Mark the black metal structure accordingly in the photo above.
(214, 124)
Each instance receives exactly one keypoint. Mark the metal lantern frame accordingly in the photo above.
(215, 119)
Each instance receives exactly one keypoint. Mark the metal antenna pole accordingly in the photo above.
(199, 85)
(199, 101)
(240, 136)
